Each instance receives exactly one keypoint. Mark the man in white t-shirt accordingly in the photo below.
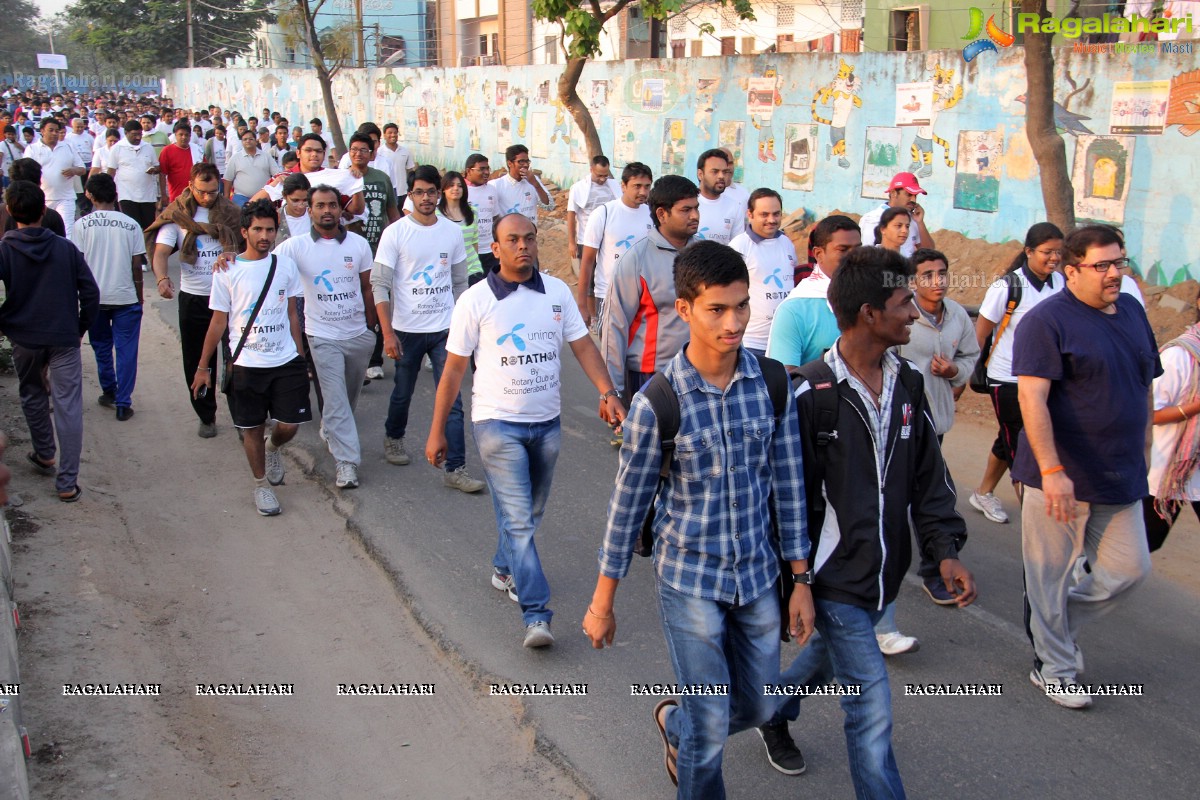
(614, 228)
(420, 269)
(339, 320)
(722, 215)
(312, 166)
(83, 143)
(115, 251)
(198, 251)
(771, 260)
(270, 377)
(403, 163)
(519, 190)
(902, 193)
(135, 166)
(316, 126)
(60, 164)
(735, 190)
(584, 197)
(515, 323)
(481, 197)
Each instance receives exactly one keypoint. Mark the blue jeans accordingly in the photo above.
(121, 328)
(844, 647)
(716, 643)
(240, 200)
(518, 463)
(414, 347)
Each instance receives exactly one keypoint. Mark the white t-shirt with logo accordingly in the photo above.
(193, 278)
(518, 344)
(482, 200)
(999, 367)
(341, 179)
(516, 197)
(109, 240)
(612, 229)
(235, 291)
(420, 257)
(329, 272)
(772, 266)
(54, 184)
(131, 163)
(721, 219)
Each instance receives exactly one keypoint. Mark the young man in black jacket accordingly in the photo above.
(880, 434)
(51, 301)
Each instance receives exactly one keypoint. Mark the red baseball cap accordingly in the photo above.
(908, 182)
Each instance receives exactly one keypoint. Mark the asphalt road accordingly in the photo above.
(437, 544)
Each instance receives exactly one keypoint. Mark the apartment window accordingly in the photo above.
(483, 45)
(697, 48)
(678, 48)
(748, 45)
(785, 15)
(289, 55)
(551, 49)
(904, 30)
(851, 41)
(728, 46)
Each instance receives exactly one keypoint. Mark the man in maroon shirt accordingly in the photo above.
(177, 158)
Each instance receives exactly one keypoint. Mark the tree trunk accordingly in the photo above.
(569, 97)
(335, 124)
(1048, 147)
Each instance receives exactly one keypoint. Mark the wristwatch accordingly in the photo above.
(608, 394)
(805, 578)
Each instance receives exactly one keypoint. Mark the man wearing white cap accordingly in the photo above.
(902, 193)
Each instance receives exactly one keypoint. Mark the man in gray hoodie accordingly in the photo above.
(51, 301)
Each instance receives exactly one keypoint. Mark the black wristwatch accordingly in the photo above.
(805, 578)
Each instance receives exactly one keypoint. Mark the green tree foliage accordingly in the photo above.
(20, 40)
(582, 21)
(151, 35)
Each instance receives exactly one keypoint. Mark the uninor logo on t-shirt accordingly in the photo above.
(774, 278)
(514, 338)
(425, 273)
(321, 279)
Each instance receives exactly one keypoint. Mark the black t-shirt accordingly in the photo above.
(1100, 367)
(51, 221)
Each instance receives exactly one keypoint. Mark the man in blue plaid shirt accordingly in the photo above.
(714, 555)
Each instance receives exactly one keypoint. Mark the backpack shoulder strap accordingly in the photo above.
(776, 376)
(665, 403)
(912, 380)
(825, 398)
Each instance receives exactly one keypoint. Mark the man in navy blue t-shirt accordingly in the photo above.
(1084, 361)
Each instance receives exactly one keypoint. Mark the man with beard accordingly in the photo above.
(722, 214)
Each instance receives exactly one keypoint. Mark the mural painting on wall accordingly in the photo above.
(501, 93)
(539, 134)
(458, 102)
(761, 99)
(705, 103)
(1139, 107)
(519, 101)
(504, 136)
(977, 175)
(651, 91)
(599, 95)
(841, 96)
(473, 130)
(543, 92)
(881, 162)
(1183, 108)
(732, 134)
(799, 156)
(579, 152)
(422, 125)
(914, 103)
(1101, 177)
(563, 124)
(947, 92)
(625, 140)
(674, 147)
(449, 129)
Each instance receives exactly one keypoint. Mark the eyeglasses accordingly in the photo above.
(1049, 253)
(311, 150)
(425, 192)
(1105, 266)
(360, 151)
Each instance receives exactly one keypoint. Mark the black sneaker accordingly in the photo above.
(781, 750)
(108, 400)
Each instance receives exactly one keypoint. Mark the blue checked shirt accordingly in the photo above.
(712, 523)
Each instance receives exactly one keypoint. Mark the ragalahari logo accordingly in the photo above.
(995, 36)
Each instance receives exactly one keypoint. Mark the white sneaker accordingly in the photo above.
(374, 373)
(347, 475)
(538, 635)
(895, 643)
(1065, 692)
(505, 584)
(990, 506)
(274, 462)
(265, 501)
(461, 480)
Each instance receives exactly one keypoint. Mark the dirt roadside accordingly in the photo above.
(163, 573)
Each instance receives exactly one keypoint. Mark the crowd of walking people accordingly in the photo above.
(779, 414)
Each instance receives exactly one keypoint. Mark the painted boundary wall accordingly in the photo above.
(826, 130)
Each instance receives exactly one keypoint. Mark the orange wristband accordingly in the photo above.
(1053, 470)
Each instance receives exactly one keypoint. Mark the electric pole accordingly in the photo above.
(191, 50)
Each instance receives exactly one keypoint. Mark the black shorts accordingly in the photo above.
(260, 393)
(1008, 415)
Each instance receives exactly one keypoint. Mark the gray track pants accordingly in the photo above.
(66, 385)
(341, 365)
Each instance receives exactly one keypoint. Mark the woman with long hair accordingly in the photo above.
(892, 231)
(1031, 278)
(454, 207)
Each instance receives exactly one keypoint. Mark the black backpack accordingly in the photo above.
(665, 403)
(979, 379)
